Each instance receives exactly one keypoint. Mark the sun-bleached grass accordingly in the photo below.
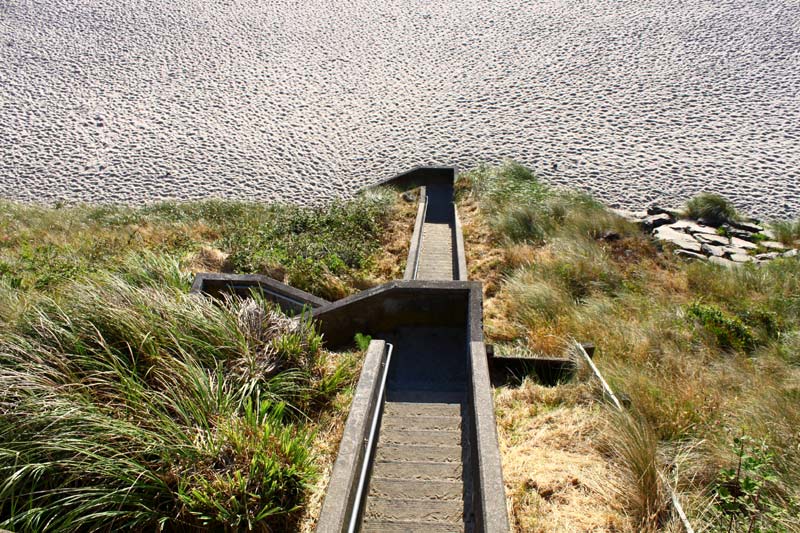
(705, 354)
(556, 478)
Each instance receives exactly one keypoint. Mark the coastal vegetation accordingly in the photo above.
(706, 356)
(128, 403)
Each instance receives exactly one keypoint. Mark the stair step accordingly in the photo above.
(434, 511)
(421, 409)
(420, 438)
(378, 526)
(421, 454)
(415, 470)
(425, 423)
(414, 489)
(425, 396)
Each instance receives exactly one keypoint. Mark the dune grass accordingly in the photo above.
(713, 208)
(705, 354)
(786, 231)
(127, 403)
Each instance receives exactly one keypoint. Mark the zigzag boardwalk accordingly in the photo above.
(419, 481)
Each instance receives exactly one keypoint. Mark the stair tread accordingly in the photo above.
(422, 409)
(416, 437)
(432, 454)
(429, 423)
(419, 470)
(416, 510)
(379, 526)
(410, 489)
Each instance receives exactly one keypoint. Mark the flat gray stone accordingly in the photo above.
(741, 243)
(742, 258)
(690, 255)
(769, 256)
(713, 239)
(773, 245)
(710, 249)
(790, 253)
(731, 250)
(656, 221)
(677, 238)
(747, 226)
(693, 227)
(721, 261)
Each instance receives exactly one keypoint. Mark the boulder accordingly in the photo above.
(790, 253)
(713, 239)
(677, 238)
(741, 243)
(769, 256)
(656, 210)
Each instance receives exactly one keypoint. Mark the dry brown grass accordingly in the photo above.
(568, 270)
(486, 258)
(326, 447)
(207, 259)
(390, 262)
(557, 478)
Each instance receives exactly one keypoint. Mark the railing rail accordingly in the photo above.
(420, 237)
(362, 480)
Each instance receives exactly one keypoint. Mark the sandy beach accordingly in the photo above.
(636, 101)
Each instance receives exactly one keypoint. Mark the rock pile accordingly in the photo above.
(729, 244)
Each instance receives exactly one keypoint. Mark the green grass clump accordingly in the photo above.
(127, 403)
(521, 209)
(786, 231)
(713, 208)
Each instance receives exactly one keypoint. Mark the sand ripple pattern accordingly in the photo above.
(637, 101)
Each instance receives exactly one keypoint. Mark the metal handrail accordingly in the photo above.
(421, 236)
(362, 480)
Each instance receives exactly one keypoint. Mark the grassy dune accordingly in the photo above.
(126, 403)
(707, 356)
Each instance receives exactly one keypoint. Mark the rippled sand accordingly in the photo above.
(635, 100)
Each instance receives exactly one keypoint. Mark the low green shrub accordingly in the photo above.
(728, 331)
